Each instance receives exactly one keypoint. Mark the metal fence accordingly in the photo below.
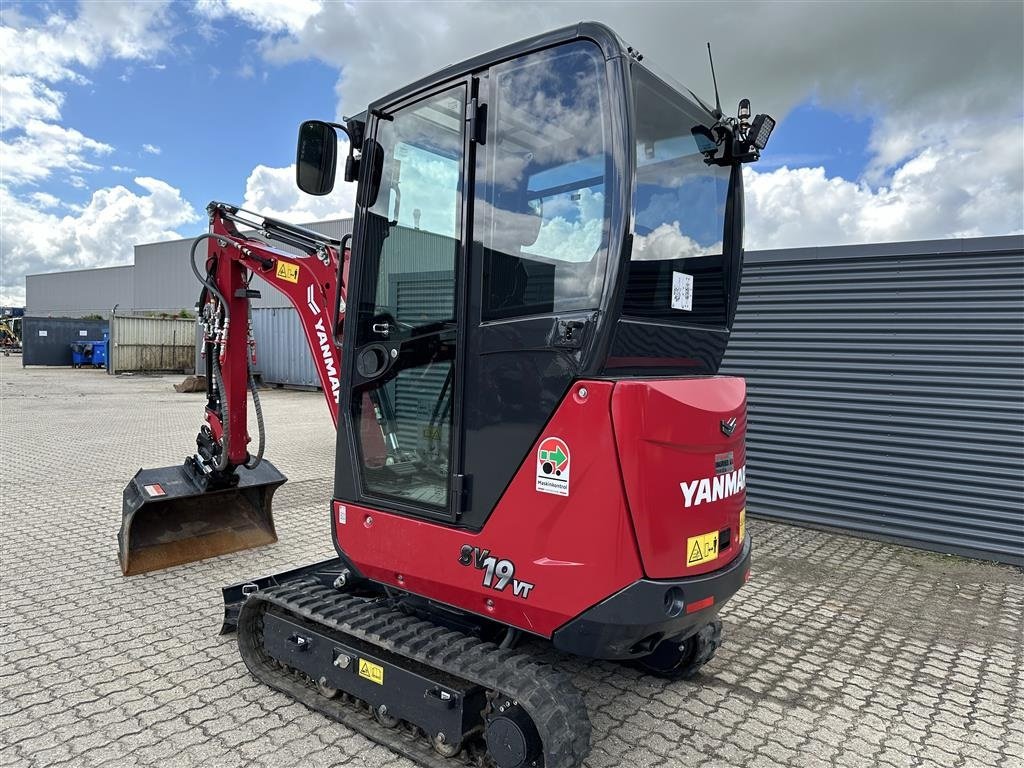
(48, 340)
(152, 344)
(885, 391)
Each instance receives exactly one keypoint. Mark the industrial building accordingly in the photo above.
(159, 281)
(898, 366)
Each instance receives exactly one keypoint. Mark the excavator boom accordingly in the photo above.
(219, 499)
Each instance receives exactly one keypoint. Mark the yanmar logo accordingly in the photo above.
(715, 488)
(326, 345)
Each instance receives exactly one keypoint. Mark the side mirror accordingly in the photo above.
(316, 157)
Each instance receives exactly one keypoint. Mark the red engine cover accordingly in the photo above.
(563, 537)
(572, 543)
(684, 475)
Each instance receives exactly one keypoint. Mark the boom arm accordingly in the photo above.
(314, 282)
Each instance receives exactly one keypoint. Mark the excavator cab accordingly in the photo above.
(550, 212)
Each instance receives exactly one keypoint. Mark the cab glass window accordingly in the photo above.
(678, 271)
(542, 208)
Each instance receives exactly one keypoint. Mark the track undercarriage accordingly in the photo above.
(433, 694)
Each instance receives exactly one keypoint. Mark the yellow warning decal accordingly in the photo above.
(372, 672)
(743, 525)
(701, 549)
(289, 272)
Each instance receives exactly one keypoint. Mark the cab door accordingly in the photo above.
(403, 374)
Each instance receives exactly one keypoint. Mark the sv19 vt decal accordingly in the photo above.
(498, 574)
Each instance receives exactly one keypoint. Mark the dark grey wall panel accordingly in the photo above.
(886, 391)
(47, 340)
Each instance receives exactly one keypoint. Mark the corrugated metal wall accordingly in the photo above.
(282, 352)
(886, 391)
(151, 344)
(79, 292)
(47, 340)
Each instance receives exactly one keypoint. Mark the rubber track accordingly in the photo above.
(552, 701)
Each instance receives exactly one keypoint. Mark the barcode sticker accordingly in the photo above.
(682, 291)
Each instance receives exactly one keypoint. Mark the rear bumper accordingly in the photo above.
(631, 622)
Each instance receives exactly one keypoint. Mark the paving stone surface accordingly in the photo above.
(839, 652)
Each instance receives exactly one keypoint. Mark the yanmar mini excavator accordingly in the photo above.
(518, 345)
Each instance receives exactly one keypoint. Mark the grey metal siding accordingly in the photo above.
(47, 340)
(886, 391)
(164, 281)
(282, 352)
(77, 293)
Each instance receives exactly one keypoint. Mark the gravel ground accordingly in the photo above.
(839, 652)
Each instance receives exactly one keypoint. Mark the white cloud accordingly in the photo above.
(921, 73)
(24, 98)
(101, 233)
(43, 148)
(45, 200)
(151, 149)
(272, 192)
(958, 187)
(264, 15)
(54, 50)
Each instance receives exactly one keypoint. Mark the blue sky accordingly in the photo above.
(888, 124)
(214, 112)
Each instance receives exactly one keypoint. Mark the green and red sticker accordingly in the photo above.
(553, 466)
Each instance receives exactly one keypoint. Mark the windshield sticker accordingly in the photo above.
(682, 291)
(553, 466)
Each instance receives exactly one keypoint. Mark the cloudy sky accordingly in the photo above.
(120, 121)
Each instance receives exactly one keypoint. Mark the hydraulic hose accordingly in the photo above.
(252, 464)
(222, 460)
(206, 280)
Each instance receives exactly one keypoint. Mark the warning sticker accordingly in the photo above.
(682, 291)
(372, 672)
(553, 466)
(155, 489)
(289, 272)
(743, 524)
(702, 549)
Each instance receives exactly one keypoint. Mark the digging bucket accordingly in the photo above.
(170, 517)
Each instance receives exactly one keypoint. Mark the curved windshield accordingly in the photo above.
(677, 269)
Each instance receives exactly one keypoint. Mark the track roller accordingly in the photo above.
(429, 693)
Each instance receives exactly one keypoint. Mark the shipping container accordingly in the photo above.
(48, 340)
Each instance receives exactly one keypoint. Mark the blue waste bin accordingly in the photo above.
(99, 353)
(92, 353)
(81, 354)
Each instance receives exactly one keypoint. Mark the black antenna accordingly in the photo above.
(718, 103)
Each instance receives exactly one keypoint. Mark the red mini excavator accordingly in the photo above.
(519, 350)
